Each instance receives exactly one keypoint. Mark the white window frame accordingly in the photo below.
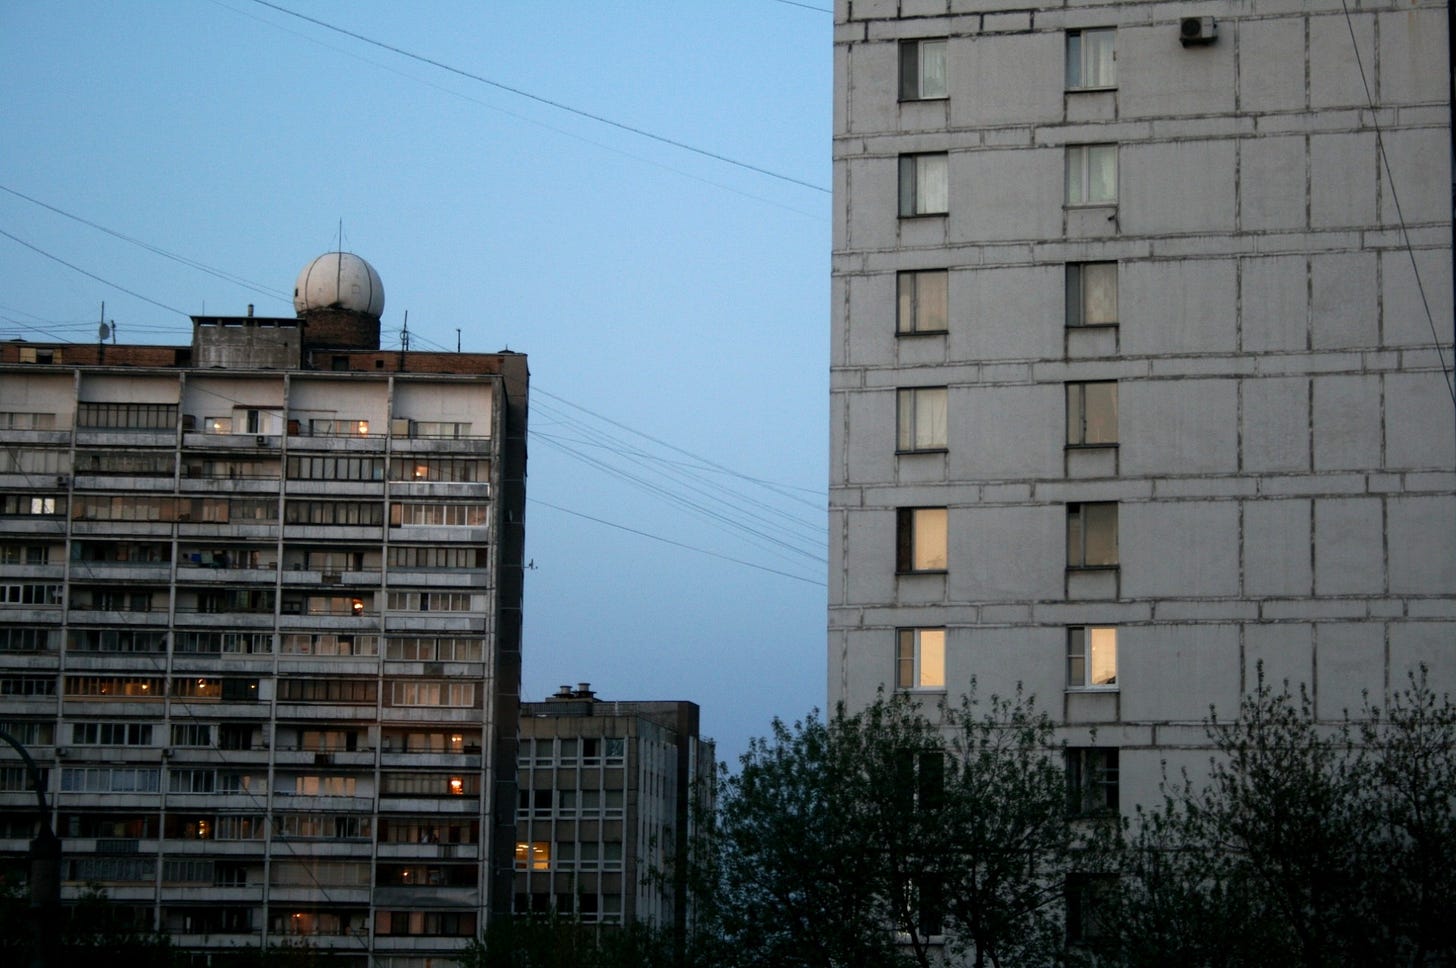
(924, 69)
(1083, 162)
(921, 416)
(920, 659)
(1091, 654)
(1092, 59)
(924, 184)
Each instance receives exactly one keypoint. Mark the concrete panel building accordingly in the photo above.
(610, 798)
(260, 623)
(1137, 376)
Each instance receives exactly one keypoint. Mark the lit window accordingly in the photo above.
(1091, 414)
(922, 302)
(922, 418)
(457, 786)
(1091, 58)
(922, 69)
(533, 856)
(1091, 293)
(1091, 175)
(1092, 658)
(1092, 535)
(924, 184)
(1091, 780)
(921, 539)
(920, 659)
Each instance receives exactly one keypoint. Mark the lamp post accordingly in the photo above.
(45, 873)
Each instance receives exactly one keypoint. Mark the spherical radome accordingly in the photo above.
(339, 280)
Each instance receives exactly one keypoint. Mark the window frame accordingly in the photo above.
(1078, 62)
(1093, 781)
(913, 74)
(911, 403)
(1080, 160)
(915, 185)
(1081, 280)
(911, 532)
(1083, 649)
(917, 654)
(912, 309)
(1079, 525)
(1078, 413)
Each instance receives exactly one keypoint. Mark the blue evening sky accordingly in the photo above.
(674, 307)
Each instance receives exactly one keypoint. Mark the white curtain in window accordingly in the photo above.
(932, 184)
(1098, 50)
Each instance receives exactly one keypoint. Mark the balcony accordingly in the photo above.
(473, 490)
(152, 572)
(123, 482)
(459, 762)
(224, 620)
(196, 573)
(124, 437)
(475, 446)
(430, 851)
(194, 441)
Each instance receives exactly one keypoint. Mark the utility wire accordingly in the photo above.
(677, 544)
(600, 119)
(190, 263)
(1395, 198)
(92, 275)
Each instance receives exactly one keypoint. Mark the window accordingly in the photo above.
(921, 415)
(921, 539)
(1091, 175)
(1092, 658)
(1092, 294)
(923, 303)
(920, 659)
(1091, 58)
(533, 855)
(1092, 535)
(111, 734)
(1091, 780)
(922, 69)
(1091, 903)
(1091, 414)
(924, 184)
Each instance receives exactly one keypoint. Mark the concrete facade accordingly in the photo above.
(261, 625)
(610, 797)
(1279, 466)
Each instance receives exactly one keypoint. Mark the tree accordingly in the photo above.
(793, 879)
(1010, 846)
(852, 841)
(1311, 844)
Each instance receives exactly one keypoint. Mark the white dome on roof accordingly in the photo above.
(339, 280)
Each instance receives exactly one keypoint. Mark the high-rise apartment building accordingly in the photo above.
(1137, 385)
(260, 623)
(610, 795)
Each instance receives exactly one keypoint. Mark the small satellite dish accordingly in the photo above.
(104, 333)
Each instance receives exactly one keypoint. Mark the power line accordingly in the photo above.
(600, 119)
(190, 263)
(92, 275)
(1395, 198)
(676, 544)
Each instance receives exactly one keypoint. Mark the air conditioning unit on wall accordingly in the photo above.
(1197, 31)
